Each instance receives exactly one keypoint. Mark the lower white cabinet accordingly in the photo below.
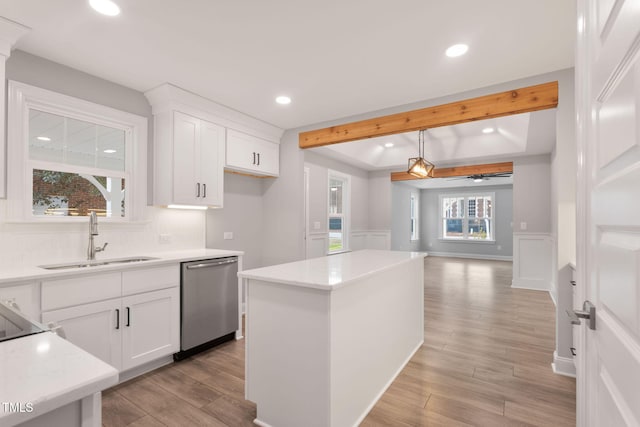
(93, 327)
(151, 326)
(127, 331)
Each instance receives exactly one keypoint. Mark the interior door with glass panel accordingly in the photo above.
(608, 102)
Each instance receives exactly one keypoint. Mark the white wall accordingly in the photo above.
(242, 215)
(503, 217)
(27, 243)
(532, 194)
(380, 200)
(400, 218)
(283, 206)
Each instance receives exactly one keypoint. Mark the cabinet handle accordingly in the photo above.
(198, 189)
(254, 157)
(573, 282)
(258, 159)
(128, 317)
(204, 190)
(117, 318)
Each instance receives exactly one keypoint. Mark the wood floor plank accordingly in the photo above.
(146, 421)
(118, 411)
(232, 412)
(192, 391)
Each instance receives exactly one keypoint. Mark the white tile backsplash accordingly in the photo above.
(25, 244)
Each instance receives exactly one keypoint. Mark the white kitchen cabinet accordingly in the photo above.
(198, 156)
(151, 326)
(125, 319)
(252, 155)
(26, 296)
(93, 327)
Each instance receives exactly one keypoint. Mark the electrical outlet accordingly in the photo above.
(316, 225)
(499, 247)
(523, 225)
(430, 244)
(228, 235)
(165, 238)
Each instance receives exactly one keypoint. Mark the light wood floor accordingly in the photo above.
(486, 361)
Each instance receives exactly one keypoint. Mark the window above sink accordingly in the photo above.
(68, 157)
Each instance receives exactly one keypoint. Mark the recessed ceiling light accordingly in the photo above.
(334, 188)
(389, 144)
(105, 7)
(283, 100)
(477, 180)
(109, 151)
(43, 138)
(488, 130)
(457, 50)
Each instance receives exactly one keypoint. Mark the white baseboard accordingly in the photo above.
(532, 284)
(471, 256)
(261, 423)
(553, 298)
(563, 366)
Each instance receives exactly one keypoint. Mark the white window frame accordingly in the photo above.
(346, 209)
(414, 215)
(22, 98)
(465, 217)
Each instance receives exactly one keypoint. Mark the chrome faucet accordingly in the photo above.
(93, 231)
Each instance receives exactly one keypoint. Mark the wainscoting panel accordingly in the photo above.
(532, 261)
(370, 239)
(317, 244)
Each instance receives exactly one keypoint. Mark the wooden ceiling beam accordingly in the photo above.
(523, 100)
(489, 168)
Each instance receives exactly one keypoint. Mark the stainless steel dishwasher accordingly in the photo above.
(209, 304)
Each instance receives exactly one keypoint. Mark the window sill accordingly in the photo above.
(483, 242)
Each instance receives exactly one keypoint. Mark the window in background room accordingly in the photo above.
(467, 217)
(414, 216)
(338, 212)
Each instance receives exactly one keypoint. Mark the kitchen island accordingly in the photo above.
(327, 336)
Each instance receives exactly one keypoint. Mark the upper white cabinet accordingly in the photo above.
(189, 160)
(249, 154)
(188, 167)
(198, 153)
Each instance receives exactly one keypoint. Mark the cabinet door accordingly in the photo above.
(268, 157)
(93, 327)
(151, 326)
(212, 146)
(251, 154)
(186, 164)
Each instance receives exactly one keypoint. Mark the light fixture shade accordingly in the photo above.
(420, 168)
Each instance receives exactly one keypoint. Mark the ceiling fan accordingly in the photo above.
(483, 176)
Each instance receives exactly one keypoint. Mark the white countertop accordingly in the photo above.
(333, 271)
(47, 372)
(9, 277)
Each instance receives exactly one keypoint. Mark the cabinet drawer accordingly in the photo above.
(80, 290)
(150, 279)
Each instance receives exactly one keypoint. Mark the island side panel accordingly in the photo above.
(287, 354)
(377, 324)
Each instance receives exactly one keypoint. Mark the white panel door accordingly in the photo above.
(93, 327)
(186, 159)
(608, 102)
(150, 326)
(212, 142)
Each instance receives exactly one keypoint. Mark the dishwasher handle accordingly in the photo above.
(211, 264)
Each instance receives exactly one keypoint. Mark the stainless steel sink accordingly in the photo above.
(97, 263)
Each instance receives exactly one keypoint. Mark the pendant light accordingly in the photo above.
(419, 166)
